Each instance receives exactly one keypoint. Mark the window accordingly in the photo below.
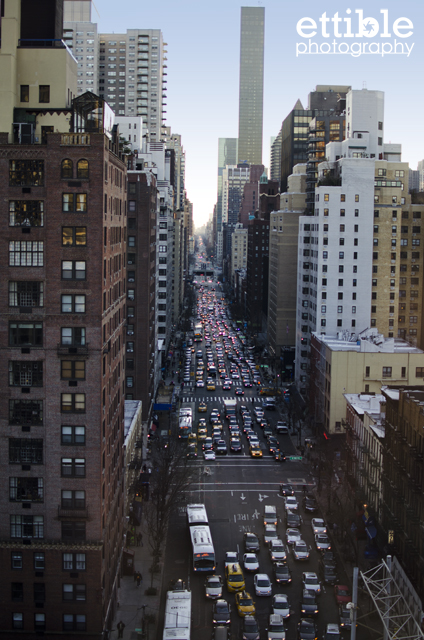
(419, 372)
(73, 467)
(340, 322)
(44, 93)
(39, 560)
(24, 92)
(325, 213)
(17, 620)
(387, 372)
(25, 334)
(342, 228)
(74, 202)
(353, 309)
(25, 374)
(16, 560)
(26, 490)
(72, 369)
(340, 309)
(340, 295)
(26, 213)
(326, 197)
(25, 451)
(17, 591)
(82, 170)
(357, 197)
(341, 241)
(73, 303)
(131, 241)
(341, 255)
(26, 412)
(342, 213)
(26, 526)
(130, 347)
(67, 169)
(74, 236)
(74, 561)
(323, 322)
(323, 308)
(325, 255)
(39, 621)
(73, 499)
(72, 434)
(340, 282)
(26, 254)
(26, 294)
(73, 402)
(74, 622)
(73, 269)
(26, 173)
(73, 531)
(341, 268)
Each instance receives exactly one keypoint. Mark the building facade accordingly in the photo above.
(80, 35)
(251, 87)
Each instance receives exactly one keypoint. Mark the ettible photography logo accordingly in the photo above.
(355, 35)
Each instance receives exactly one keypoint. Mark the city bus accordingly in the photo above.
(198, 332)
(185, 422)
(201, 538)
(177, 623)
(196, 514)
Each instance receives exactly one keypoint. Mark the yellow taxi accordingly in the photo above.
(210, 385)
(199, 375)
(202, 433)
(202, 408)
(235, 578)
(245, 605)
(218, 425)
(192, 437)
(202, 423)
(255, 452)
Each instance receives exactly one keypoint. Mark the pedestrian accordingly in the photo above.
(139, 539)
(138, 578)
(120, 626)
(253, 399)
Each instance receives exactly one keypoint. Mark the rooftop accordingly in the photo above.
(368, 341)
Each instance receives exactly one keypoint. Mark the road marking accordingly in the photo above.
(261, 497)
(255, 515)
(191, 490)
(243, 497)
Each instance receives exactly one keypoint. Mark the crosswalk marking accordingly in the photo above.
(241, 399)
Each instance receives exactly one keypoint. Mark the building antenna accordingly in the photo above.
(364, 84)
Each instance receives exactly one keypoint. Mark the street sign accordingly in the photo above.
(295, 458)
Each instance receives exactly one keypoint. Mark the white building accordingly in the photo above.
(131, 128)
(335, 248)
(238, 250)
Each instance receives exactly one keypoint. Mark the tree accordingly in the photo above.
(170, 479)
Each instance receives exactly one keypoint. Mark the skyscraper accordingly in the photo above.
(251, 85)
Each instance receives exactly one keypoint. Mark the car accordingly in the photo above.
(280, 456)
(192, 451)
(216, 437)
(214, 417)
(332, 632)
(251, 542)
(202, 408)
(281, 605)
(345, 621)
(250, 562)
(244, 604)
(308, 604)
(207, 444)
(230, 557)
(342, 594)
(327, 572)
(292, 536)
(221, 447)
(300, 550)
(213, 587)
(286, 489)
(250, 628)
(239, 391)
(310, 504)
(310, 581)
(209, 454)
(255, 451)
(293, 519)
(221, 612)
(291, 503)
(282, 573)
(247, 383)
(202, 433)
(210, 385)
(270, 533)
(226, 386)
(282, 427)
(275, 629)
(235, 445)
(262, 584)
(235, 577)
(277, 551)
(199, 384)
(318, 525)
(270, 514)
(322, 542)
(306, 629)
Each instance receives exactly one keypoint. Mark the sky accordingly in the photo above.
(203, 44)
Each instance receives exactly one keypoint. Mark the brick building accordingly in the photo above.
(62, 317)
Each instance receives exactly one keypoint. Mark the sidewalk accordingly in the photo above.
(132, 599)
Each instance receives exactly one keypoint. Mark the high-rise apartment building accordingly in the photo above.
(251, 85)
(227, 155)
(80, 35)
(132, 76)
(62, 320)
